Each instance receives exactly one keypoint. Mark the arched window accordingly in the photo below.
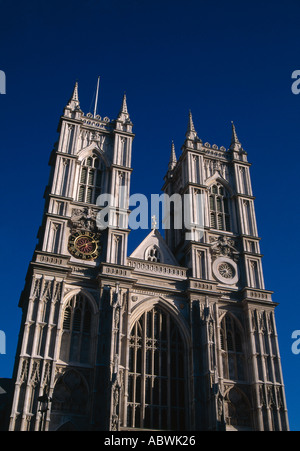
(156, 379)
(153, 254)
(237, 410)
(90, 180)
(232, 349)
(219, 208)
(76, 335)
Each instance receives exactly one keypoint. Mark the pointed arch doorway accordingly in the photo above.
(157, 373)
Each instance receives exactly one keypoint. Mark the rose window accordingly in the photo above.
(226, 270)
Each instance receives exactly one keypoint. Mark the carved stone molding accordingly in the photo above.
(223, 246)
(83, 219)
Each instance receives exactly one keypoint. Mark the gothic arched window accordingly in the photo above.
(156, 378)
(237, 410)
(153, 254)
(219, 208)
(76, 335)
(232, 349)
(90, 180)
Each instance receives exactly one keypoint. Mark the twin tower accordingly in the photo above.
(181, 334)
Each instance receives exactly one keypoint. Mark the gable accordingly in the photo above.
(154, 248)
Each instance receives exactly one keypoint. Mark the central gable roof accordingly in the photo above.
(156, 241)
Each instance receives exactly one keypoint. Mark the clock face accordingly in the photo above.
(84, 245)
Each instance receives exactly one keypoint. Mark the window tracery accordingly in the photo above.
(90, 180)
(231, 349)
(156, 380)
(153, 255)
(77, 325)
(219, 208)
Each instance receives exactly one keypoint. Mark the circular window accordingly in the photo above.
(225, 270)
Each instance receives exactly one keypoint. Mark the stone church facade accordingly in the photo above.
(181, 334)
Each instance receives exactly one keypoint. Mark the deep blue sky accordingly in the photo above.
(225, 61)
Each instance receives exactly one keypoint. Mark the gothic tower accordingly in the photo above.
(232, 321)
(59, 354)
(181, 334)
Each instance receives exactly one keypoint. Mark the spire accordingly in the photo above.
(191, 132)
(74, 100)
(75, 92)
(235, 143)
(124, 104)
(173, 159)
(123, 114)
